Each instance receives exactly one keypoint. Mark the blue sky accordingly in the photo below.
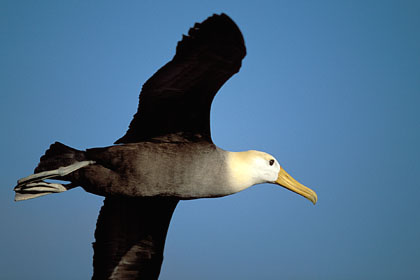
(331, 88)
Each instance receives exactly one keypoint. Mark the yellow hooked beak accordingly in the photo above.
(287, 181)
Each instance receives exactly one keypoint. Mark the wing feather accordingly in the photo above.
(130, 237)
(176, 100)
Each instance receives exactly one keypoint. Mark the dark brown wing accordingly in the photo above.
(176, 100)
(130, 237)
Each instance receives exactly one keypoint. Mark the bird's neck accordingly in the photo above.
(240, 172)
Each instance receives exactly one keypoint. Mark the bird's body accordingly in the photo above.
(145, 169)
(166, 155)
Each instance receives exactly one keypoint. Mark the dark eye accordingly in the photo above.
(271, 161)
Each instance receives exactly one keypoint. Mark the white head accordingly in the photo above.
(253, 167)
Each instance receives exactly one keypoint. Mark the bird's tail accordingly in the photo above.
(57, 162)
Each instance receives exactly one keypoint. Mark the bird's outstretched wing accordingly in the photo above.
(176, 100)
(130, 237)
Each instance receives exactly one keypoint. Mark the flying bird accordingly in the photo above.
(166, 155)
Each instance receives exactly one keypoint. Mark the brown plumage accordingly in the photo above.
(177, 98)
(166, 155)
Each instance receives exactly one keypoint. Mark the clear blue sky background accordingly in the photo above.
(331, 88)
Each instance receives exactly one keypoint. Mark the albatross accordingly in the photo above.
(166, 155)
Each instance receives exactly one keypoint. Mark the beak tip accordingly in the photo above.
(314, 199)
